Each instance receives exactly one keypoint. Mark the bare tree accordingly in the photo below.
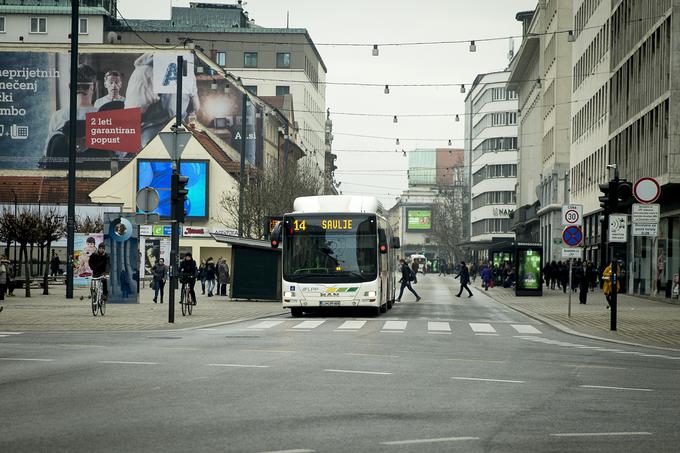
(89, 224)
(24, 228)
(447, 222)
(267, 193)
(52, 228)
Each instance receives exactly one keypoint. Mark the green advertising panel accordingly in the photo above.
(529, 270)
(418, 219)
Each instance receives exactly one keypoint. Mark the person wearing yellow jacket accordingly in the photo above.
(607, 286)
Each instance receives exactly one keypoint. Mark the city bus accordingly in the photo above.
(338, 252)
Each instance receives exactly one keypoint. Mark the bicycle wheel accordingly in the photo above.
(190, 305)
(102, 305)
(184, 301)
(95, 304)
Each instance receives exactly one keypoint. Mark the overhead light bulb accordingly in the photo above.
(473, 47)
(404, 153)
(457, 118)
(449, 142)
(397, 141)
(570, 36)
(538, 83)
(395, 119)
(462, 88)
(387, 89)
(376, 52)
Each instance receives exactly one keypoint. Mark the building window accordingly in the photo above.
(283, 60)
(221, 59)
(2, 24)
(252, 89)
(82, 29)
(250, 59)
(282, 90)
(512, 118)
(38, 25)
(498, 94)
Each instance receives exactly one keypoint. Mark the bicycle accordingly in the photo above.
(185, 298)
(97, 296)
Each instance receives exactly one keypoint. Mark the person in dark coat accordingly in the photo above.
(55, 263)
(584, 284)
(578, 274)
(554, 274)
(210, 275)
(464, 275)
(160, 273)
(99, 263)
(564, 276)
(406, 276)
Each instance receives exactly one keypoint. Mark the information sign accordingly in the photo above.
(642, 229)
(618, 224)
(572, 252)
(646, 213)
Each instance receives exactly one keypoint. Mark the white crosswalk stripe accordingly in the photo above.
(309, 324)
(433, 326)
(479, 327)
(266, 324)
(352, 325)
(395, 325)
(525, 328)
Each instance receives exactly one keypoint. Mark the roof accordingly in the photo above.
(217, 153)
(52, 10)
(245, 242)
(45, 189)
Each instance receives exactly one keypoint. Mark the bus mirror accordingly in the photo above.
(395, 243)
(275, 237)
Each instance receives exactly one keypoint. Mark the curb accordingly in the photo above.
(562, 328)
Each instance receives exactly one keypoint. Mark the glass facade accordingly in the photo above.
(655, 262)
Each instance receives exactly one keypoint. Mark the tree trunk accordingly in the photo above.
(30, 261)
(27, 272)
(46, 273)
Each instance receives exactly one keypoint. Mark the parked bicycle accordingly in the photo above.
(97, 295)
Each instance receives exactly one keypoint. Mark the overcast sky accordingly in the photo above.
(387, 21)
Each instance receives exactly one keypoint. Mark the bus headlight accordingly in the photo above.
(370, 294)
(289, 294)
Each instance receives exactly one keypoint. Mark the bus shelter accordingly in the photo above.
(255, 268)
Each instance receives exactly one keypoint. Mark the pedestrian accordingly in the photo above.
(4, 265)
(584, 285)
(487, 277)
(564, 276)
(591, 275)
(210, 275)
(464, 275)
(473, 272)
(11, 281)
(222, 276)
(160, 274)
(407, 276)
(578, 274)
(414, 267)
(443, 267)
(607, 282)
(201, 276)
(55, 264)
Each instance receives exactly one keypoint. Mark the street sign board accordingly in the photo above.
(572, 252)
(618, 224)
(642, 229)
(572, 214)
(646, 190)
(646, 213)
(572, 236)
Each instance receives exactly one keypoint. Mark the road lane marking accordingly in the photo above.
(236, 365)
(266, 324)
(373, 355)
(487, 334)
(614, 388)
(20, 359)
(180, 348)
(266, 350)
(427, 441)
(525, 328)
(120, 362)
(11, 333)
(394, 325)
(482, 327)
(290, 451)
(487, 380)
(433, 327)
(351, 325)
(594, 366)
(358, 372)
(633, 433)
(2, 336)
(477, 360)
(307, 325)
(298, 330)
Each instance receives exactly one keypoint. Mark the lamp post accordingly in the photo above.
(71, 211)
(15, 242)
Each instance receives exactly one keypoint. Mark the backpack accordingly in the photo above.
(411, 275)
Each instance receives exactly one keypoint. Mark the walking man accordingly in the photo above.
(407, 275)
(464, 275)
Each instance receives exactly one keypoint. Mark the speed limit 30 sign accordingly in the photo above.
(572, 214)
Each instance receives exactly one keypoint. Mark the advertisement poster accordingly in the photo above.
(157, 173)
(529, 270)
(124, 100)
(122, 245)
(418, 219)
(154, 249)
(84, 245)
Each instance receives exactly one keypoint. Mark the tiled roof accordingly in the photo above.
(230, 166)
(45, 189)
(49, 10)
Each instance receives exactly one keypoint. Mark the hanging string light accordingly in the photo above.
(387, 89)
(462, 88)
(395, 119)
(397, 141)
(473, 47)
(376, 52)
(457, 118)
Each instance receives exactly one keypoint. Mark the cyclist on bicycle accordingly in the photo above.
(187, 274)
(99, 263)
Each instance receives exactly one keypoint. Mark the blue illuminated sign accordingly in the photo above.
(156, 174)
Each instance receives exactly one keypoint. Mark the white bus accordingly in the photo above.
(338, 251)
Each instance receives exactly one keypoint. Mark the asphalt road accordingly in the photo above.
(443, 374)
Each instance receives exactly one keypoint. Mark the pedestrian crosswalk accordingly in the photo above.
(9, 334)
(394, 326)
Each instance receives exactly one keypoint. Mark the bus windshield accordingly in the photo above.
(334, 248)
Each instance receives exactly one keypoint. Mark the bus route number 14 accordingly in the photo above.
(299, 225)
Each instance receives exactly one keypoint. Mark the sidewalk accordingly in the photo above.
(55, 313)
(639, 321)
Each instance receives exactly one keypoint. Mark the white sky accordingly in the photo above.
(387, 21)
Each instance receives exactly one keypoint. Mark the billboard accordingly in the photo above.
(85, 244)
(124, 100)
(156, 174)
(418, 219)
(529, 264)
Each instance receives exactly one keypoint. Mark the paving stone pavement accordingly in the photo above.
(641, 321)
(55, 313)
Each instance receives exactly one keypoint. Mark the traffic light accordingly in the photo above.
(178, 194)
(617, 195)
(606, 198)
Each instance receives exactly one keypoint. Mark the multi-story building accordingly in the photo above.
(269, 61)
(546, 53)
(491, 161)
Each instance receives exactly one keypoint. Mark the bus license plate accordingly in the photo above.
(329, 303)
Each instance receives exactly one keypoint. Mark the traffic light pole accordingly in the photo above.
(174, 225)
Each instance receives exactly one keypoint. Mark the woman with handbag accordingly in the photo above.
(160, 273)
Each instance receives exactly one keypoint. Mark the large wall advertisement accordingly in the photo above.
(156, 174)
(124, 100)
(418, 219)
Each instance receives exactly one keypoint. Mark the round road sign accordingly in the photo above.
(571, 216)
(646, 190)
(147, 199)
(572, 236)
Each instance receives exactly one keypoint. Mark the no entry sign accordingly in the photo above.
(646, 190)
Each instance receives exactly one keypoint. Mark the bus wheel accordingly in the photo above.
(296, 312)
(389, 304)
(383, 308)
